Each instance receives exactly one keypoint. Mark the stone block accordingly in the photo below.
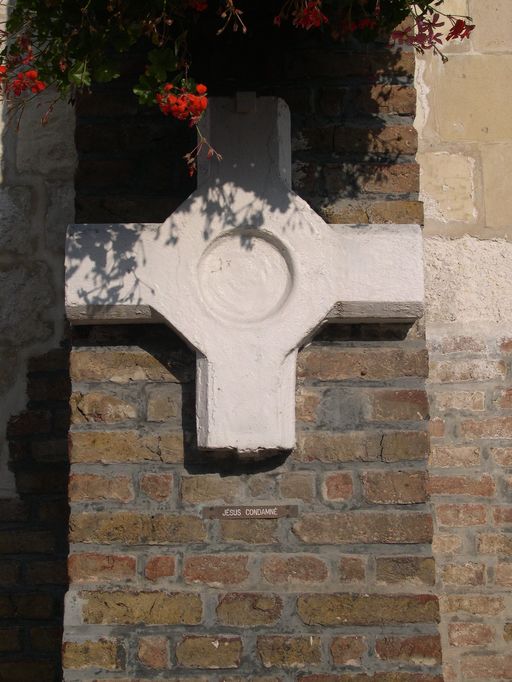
(448, 186)
(468, 87)
(49, 149)
(494, 25)
(15, 228)
(26, 298)
(497, 195)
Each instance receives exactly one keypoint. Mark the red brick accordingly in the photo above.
(46, 639)
(502, 456)
(87, 487)
(27, 542)
(455, 371)
(464, 574)
(330, 447)
(156, 486)
(210, 488)
(398, 405)
(503, 574)
(372, 364)
(94, 567)
(47, 572)
(292, 569)
(160, 567)
(475, 604)
(106, 654)
(131, 528)
(27, 671)
(503, 398)
(306, 405)
(10, 639)
(249, 610)
(405, 570)
(459, 344)
(126, 445)
(444, 543)
(147, 607)
(450, 456)
(497, 427)
(29, 423)
(209, 652)
(338, 487)
(416, 650)
(216, 570)
(472, 401)
(253, 532)
(289, 652)
(502, 514)
(461, 515)
(399, 139)
(487, 667)
(348, 650)
(297, 485)
(482, 486)
(397, 487)
(470, 634)
(367, 609)
(400, 446)
(365, 527)
(152, 652)
(490, 543)
(436, 427)
(352, 569)
(119, 366)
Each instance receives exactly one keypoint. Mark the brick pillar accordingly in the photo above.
(347, 585)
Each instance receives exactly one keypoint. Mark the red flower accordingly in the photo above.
(201, 89)
(460, 29)
(198, 5)
(310, 16)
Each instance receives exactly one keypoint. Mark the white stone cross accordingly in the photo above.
(246, 272)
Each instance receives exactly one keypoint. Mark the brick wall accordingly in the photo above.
(470, 482)
(344, 591)
(34, 528)
(352, 113)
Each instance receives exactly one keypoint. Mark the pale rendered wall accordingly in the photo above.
(36, 203)
(465, 133)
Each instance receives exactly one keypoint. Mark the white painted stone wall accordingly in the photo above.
(36, 204)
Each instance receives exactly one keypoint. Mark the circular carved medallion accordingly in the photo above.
(245, 276)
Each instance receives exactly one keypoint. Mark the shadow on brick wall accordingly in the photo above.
(352, 110)
(34, 527)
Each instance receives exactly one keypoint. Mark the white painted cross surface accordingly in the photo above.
(245, 271)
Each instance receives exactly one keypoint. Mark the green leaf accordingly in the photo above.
(79, 75)
(106, 72)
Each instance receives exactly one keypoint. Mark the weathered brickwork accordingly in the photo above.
(343, 591)
(34, 528)
(470, 483)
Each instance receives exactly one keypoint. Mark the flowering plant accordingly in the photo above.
(70, 45)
